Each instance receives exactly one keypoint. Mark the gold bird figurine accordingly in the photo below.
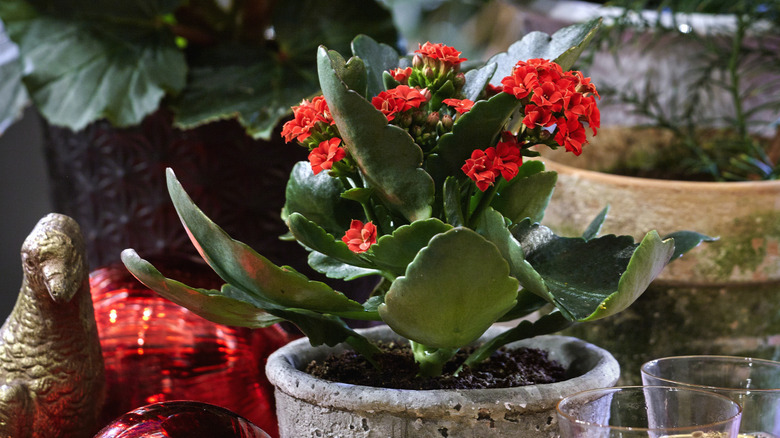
(51, 367)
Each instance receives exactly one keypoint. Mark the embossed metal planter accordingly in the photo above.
(308, 406)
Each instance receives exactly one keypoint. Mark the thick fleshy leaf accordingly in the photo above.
(526, 196)
(594, 227)
(333, 268)
(453, 203)
(685, 241)
(491, 226)
(377, 58)
(592, 279)
(476, 129)
(318, 198)
(82, 70)
(477, 80)
(313, 236)
(12, 93)
(228, 306)
(387, 156)
(452, 292)
(241, 266)
(564, 46)
(394, 252)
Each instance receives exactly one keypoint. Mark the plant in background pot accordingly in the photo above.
(416, 173)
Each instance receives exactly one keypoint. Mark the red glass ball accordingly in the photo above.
(181, 419)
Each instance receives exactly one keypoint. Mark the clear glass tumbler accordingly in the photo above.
(648, 411)
(753, 383)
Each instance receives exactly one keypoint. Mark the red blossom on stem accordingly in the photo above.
(440, 52)
(323, 156)
(401, 75)
(485, 166)
(398, 100)
(305, 118)
(460, 105)
(359, 237)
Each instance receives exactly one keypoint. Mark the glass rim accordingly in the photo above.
(676, 429)
(719, 358)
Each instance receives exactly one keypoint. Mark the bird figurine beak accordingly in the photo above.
(58, 280)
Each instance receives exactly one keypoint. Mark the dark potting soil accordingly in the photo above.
(504, 369)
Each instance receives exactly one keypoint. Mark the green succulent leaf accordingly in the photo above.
(319, 198)
(83, 68)
(453, 207)
(12, 93)
(394, 252)
(314, 237)
(594, 227)
(230, 306)
(241, 266)
(452, 292)
(334, 268)
(475, 129)
(526, 196)
(527, 303)
(387, 156)
(477, 79)
(564, 47)
(377, 58)
(596, 278)
(685, 241)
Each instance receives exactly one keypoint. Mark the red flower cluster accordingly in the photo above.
(564, 99)
(460, 105)
(306, 115)
(359, 237)
(323, 156)
(441, 52)
(398, 100)
(401, 75)
(485, 166)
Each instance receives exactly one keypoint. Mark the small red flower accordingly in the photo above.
(401, 75)
(537, 116)
(398, 100)
(305, 118)
(571, 135)
(527, 75)
(441, 52)
(359, 237)
(480, 168)
(323, 156)
(509, 158)
(460, 105)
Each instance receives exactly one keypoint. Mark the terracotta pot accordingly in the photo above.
(722, 297)
(308, 406)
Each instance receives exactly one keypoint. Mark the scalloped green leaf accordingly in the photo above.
(228, 306)
(394, 252)
(318, 198)
(387, 156)
(82, 70)
(241, 266)
(313, 236)
(526, 197)
(333, 268)
(452, 292)
(475, 129)
(591, 279)
(477, 79)
(564, 46)
(378, 58)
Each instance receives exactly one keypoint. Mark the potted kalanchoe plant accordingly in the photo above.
(418, 173)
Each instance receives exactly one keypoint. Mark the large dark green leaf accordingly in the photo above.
(477, 80)
(394, 252)
(12, 94)
(564, 46)
(82, 70)
(239, 265)
(526, 196)
(377, 58)
(387, 156)
(595, 278)
(334, 268)
(318, 198)
(685, 241)
(452, 292)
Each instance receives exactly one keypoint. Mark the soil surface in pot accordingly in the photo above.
(504, 369)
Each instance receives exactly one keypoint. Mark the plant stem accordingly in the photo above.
(431, 360)
(484, 202)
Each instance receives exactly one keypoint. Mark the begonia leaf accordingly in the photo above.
(241, 266)
(394, 252)
(526, 196)
(81, 69)
(334, 268)
(378, 58)
(455, 288)
(563, 47)
(318, 198)
(313, 236)
(592, 279)
(387, 156)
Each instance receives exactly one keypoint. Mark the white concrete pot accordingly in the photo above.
(313, 407)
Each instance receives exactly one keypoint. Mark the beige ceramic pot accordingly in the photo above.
(722, 297)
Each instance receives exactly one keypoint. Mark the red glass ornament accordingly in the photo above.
(155, 350)
(181, 419)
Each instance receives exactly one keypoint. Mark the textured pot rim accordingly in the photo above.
(282, 372)
(661, 184)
